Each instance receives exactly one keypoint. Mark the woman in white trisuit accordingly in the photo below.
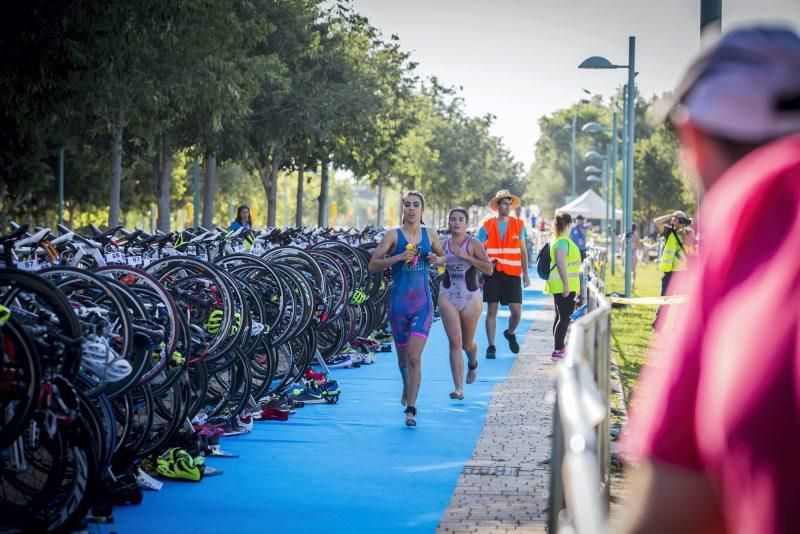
(460, 302)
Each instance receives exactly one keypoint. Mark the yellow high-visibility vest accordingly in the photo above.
(554, 285)
(672, 257)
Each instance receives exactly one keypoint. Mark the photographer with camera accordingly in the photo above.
(678, 243)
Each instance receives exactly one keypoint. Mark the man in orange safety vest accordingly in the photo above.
(503, 237)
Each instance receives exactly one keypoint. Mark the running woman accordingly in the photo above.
(414, 248)
(460, 301)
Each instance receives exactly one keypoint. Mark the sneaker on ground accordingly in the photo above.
(343, 360)
(557, 355)
(311, 374)
(246, 422)
(331, 387)
(310, 395)
(491, 352)
(512, 341)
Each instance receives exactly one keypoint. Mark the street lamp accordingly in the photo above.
(594, 155)
(594, 127)
(574, 132)
(598, 62)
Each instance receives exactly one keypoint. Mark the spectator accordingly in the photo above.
(243, 218)
(716, 423)
(678, 243)
(578, 235)
(563, 282)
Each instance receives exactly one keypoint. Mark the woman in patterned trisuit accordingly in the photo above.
(414, 248)
(460, 301)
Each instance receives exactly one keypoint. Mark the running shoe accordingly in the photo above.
(246, 422)
(330, 387)
(558, 355)
(272, 414)
(178, 464)
(512, 341)
(341, 361)
(147, 482)
(311, 374)
(277, 403)
(309, 395)
(384, 335)
(364, 344)
(491, 352)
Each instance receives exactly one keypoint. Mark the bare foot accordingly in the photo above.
(457, 394)
(471, 374)
(472, 361)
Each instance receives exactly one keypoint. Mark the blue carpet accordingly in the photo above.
(348, 467)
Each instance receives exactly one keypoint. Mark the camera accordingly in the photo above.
(686, 221)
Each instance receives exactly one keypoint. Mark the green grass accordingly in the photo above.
(631, 326)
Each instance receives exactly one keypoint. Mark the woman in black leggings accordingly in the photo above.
(563, 282)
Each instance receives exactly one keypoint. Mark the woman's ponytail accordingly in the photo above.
(560, 223)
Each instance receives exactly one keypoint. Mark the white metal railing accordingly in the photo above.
(579, 465)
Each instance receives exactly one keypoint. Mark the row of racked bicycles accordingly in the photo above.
(117, 345)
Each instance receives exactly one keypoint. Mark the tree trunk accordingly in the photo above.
(116, 172)
(165, 184)
(264, 174)
(298, 216)
(71, 212)
(209, 188)
(322, 216)
(272, 192)
(379, 218)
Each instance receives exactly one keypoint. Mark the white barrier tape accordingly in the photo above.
(649, 301)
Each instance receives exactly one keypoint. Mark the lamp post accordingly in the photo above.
(593, 127)
(574, 133)
(594, 155)
(597, 62)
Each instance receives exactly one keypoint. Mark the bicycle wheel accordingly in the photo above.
(19, 381)
(169, 411)
(46, 315)
(263, 362)
(198, 388)
(104, 317)
(29, 485)
(201, 293)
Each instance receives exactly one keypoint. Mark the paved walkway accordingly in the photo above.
(504, 486)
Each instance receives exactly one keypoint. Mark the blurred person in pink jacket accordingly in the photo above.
(715, 427)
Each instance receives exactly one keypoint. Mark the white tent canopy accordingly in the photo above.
(590, 205)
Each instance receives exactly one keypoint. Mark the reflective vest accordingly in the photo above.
(554, 284)
(672, 257)
(505, 253)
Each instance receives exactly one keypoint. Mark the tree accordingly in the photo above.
(658, 186)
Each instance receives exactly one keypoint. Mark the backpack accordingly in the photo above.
(543, 267)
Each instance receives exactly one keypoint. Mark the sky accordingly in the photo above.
(517, 59)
